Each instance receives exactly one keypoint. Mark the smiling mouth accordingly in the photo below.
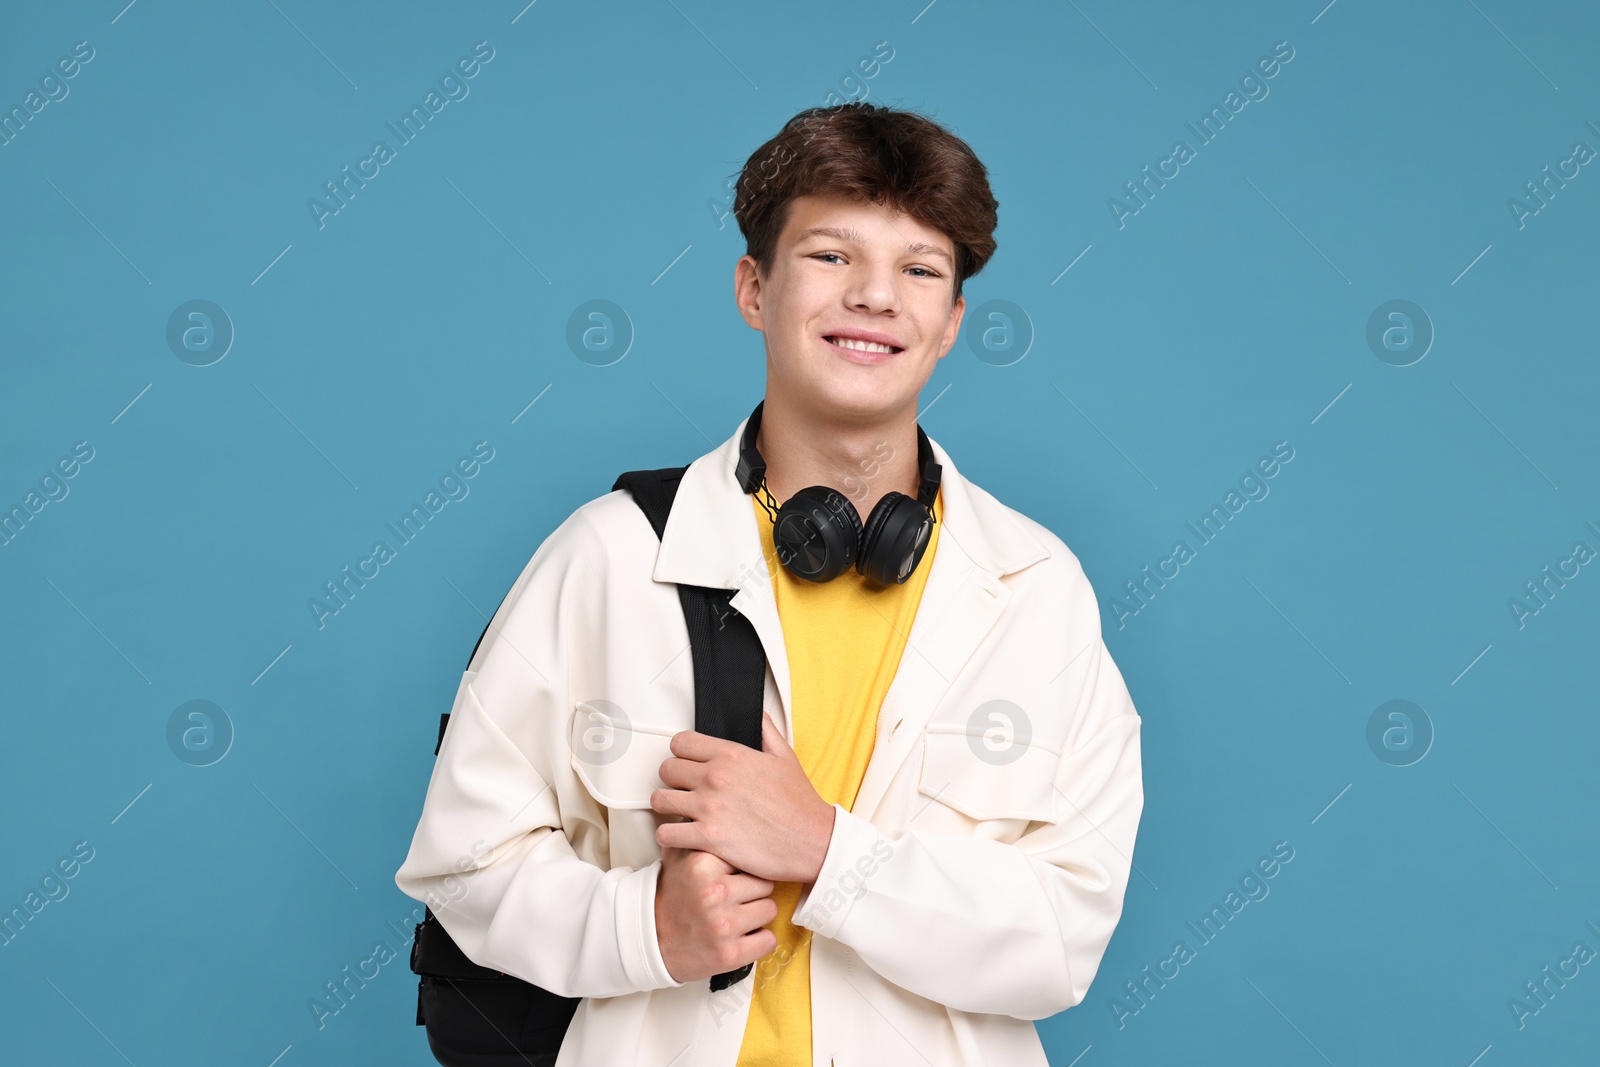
(869, 347)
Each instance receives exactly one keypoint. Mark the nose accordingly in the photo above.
(874, 288)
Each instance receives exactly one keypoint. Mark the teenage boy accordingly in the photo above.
(932, 846)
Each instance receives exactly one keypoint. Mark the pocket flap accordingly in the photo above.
(960, 771)
(618, 761)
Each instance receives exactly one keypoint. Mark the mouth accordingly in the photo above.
(858, 351)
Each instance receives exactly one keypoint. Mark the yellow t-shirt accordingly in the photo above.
(844, 640)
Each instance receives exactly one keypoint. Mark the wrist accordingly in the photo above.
(820, 851)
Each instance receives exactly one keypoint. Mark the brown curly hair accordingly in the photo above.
(873, 154)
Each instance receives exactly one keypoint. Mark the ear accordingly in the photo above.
(747, 291)
(953, 326)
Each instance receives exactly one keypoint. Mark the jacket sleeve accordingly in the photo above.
(982, 925)
(489, 855)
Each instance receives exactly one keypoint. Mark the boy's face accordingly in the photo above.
(879, 272)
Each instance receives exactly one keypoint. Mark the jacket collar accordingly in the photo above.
(711, 539)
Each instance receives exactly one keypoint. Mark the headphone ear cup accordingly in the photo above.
(895, 538)
(817, 534)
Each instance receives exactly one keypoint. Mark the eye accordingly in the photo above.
(926, 271)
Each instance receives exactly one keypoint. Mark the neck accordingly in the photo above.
(862, 460)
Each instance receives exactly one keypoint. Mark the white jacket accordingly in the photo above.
(971, 890)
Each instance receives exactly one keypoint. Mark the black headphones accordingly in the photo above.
(818, 534)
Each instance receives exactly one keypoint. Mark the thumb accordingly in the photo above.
(772, 739)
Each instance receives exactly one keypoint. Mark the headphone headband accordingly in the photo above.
(752, 468)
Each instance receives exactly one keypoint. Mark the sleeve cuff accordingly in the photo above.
(855, 852)
(636, 930)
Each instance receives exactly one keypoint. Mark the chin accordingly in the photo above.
(867, 399)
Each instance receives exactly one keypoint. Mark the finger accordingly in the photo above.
(747, 887)
(691, 745)
(757, 944)
(680, 773)
(673, 802)
(768, 907)
(772, 739)
(717, 863)
(680, 835)
(753, 917)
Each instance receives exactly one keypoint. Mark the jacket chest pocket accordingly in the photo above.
(964, 771)
(618, 760)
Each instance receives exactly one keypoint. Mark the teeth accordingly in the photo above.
(860, 346)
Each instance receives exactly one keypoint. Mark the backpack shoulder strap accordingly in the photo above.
(654, 491)
(730, 665)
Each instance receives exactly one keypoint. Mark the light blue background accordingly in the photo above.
(1229, 314)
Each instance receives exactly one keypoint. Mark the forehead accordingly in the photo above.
(838, 218)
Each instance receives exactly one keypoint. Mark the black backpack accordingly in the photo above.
(480, 1017)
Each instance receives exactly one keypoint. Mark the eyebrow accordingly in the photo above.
(854, 237)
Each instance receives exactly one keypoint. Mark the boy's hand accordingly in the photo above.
(710, 919)
(756, 810)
